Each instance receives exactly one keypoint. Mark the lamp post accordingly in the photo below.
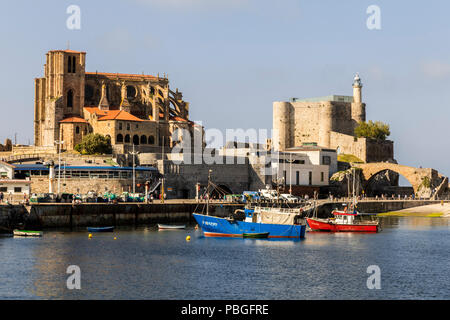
(134, 153)
(59, 143)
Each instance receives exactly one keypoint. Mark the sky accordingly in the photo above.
(232, 59)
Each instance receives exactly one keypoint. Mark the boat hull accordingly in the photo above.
(324, 225)
(100, 229)
(27, 233)
(220, 227)
(170, 227)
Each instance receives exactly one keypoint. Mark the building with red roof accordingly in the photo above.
(71, 103)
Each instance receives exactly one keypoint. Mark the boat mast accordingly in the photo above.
(207, 192)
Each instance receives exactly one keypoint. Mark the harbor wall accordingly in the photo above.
(83, 215)
(98, 214)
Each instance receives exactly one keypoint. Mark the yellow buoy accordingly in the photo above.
(90, 235)
(188, 238)
(115, 238)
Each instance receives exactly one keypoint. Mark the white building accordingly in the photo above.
(298, 169)
(10, 186)
(318, 155)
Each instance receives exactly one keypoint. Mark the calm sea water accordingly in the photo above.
(412, 253)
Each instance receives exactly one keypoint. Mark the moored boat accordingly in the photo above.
(256, 235)
(27, 233)
(170, 227)
(344, 221)
(101, 229)
(277, 222)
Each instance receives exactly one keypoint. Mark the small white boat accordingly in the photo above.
(170, 227)
(27, 233)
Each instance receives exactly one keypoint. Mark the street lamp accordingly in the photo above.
(59, 143)
(134, 153)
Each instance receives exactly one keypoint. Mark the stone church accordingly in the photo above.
(131, 109)
(329, 122)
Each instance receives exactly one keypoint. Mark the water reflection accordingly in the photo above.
(145, 263)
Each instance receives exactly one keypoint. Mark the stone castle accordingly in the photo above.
(131, 109)
(330, 122)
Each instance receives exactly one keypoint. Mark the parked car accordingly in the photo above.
(289, 198)
(268, 195)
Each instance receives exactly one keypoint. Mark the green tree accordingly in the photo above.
(94, 144)
(372, 130)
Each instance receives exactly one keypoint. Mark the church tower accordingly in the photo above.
(358, 107)
(60, 94)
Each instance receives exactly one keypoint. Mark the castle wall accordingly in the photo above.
(368, 150)
(282, 125)
(379, 151)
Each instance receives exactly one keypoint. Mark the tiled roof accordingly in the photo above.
(73, 120)
(119, 115)
(123, 75)
(68, 50)
(96, 110)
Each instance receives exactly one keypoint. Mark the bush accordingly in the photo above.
(94, 144)
(372, 130)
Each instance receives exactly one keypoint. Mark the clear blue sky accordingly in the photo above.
(232, 59)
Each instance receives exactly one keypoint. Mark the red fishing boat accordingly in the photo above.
(344, 221)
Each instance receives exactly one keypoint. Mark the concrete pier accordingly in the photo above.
(62, 215)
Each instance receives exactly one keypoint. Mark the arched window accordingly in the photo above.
(143, 139)
(136, 139)
(119, 138)
(127, 138)
(69, 64)
(151, 140)
(71, 61)
(70, 98)
(73, 64)
(131, 92)
(77, 130)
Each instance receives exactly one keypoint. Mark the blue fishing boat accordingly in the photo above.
(277, 222)
(100, 229)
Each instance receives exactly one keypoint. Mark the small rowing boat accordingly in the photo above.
(27, 233)
(100, 229)
(260, 235)
(170, 227)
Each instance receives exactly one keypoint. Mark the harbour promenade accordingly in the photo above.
(67, 215)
